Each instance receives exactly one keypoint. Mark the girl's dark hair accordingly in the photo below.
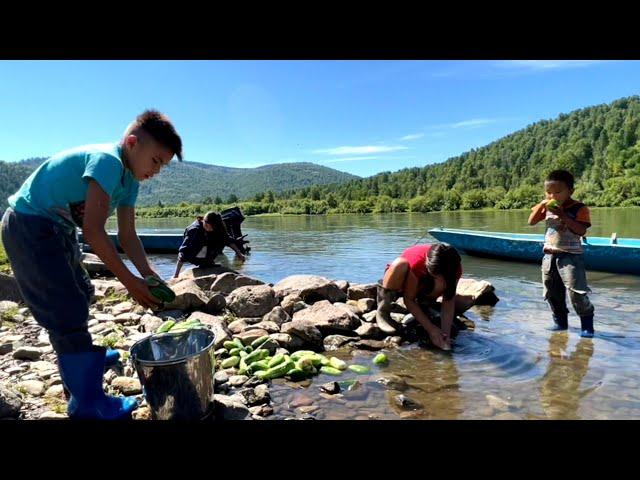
(443, 259)
(215, 219)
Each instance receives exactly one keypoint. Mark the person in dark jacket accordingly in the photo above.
(203, 241)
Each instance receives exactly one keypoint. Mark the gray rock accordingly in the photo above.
(261, 410)
(288, 303)
(150, 323)
(299, 306)
(358, 291)
(104, 317)
(189, 296)
(237, 380)
(32, 387)
(334, 342)
(128, 318)
(122, 307)
(300, 400)
(27, 353)
(228, 409)
(55, 391)
(262, 393)
(331, 388)
(269, 327)
(249, 336)
(228, 282)
(407, 403)
(287, 341)
(278, 316)
(220, 377)
(237, 326)
(251, 320)
(205, 281)
(310, 288)
(371, 345)
(342, 285)
(216, 303)
(370, 330)
(10, 403)
(304, 331)
(252, 301)
(6, 347)
(393, 382)
(127, 385)
(328, 318)
(366, 305)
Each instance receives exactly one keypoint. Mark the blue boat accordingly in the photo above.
(621, 255)
(152, 242)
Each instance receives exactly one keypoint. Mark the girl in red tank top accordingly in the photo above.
(429, 265)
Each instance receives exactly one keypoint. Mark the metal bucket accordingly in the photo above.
(176, 373)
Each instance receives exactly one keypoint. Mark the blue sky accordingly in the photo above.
(361, 117)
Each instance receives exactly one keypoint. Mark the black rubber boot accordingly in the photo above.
(383, 314)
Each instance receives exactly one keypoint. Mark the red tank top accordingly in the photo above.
(417, 258)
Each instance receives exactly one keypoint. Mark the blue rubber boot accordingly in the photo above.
(111, 357)
(82, 375)
(560, 323)
(586, 326)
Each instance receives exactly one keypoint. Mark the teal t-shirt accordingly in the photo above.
(58, 188)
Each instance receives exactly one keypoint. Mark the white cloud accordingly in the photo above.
(473, 123)
(348, 159)
(413, 136)
(546, 65)
(359, 150)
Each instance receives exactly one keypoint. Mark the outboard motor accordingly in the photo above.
(233, 218)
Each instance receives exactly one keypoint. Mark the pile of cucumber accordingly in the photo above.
(253, 360)
(173, 326)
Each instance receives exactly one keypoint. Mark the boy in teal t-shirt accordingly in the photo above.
(82, 187)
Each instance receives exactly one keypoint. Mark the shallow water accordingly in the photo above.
(509, 367)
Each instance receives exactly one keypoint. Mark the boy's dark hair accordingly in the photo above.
(561, 176)
(443, 259)
(161, 129)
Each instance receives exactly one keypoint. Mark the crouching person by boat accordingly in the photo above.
(420, 275)
(203, 241)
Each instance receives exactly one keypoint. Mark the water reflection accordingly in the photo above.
(560, 393)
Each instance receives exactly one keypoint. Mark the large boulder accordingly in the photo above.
(358, 291)
(304, 331)
(216, 324)
(310, 288)
(482, 290)
(329, 318)
(189, 296)
(228, 282)
(199, 272)
(252, 301)
(278, 316)
(215, 304)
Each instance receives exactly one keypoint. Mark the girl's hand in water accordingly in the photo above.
(436, 337)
